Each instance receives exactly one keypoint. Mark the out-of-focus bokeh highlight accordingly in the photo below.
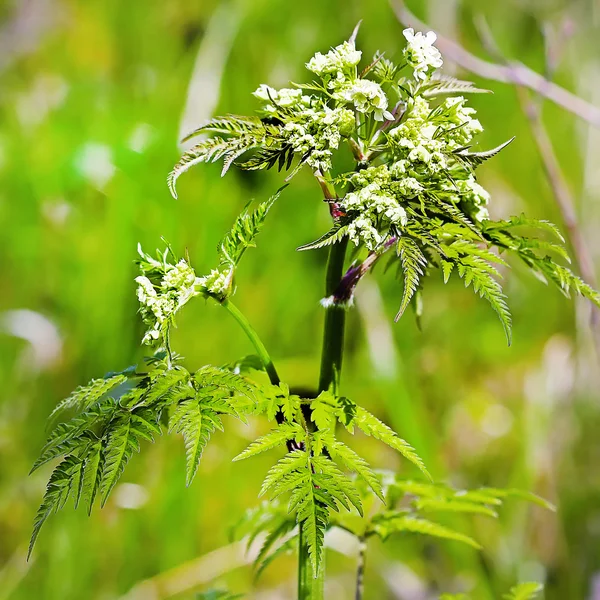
(94, 96)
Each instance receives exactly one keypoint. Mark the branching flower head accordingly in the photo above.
(414, 186)
(163, 288)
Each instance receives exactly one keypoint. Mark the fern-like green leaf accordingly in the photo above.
(478, 273)
(123, 438)
(92, 474)
(328, 477)
(282, 469)
(229, 125)
(274, 535)
(333, 236)
(61, 484)
(244, 230)
(413, 264)
(196, 423)
(351, 460)
(502, 494)
(224, 378)
(312, 513)
(277, 153)
(372, 426)
(440, 85)
(523, 221)
(276, 437)
(524, 591)
(211, 150)
(454, 505)
(323, 411)
(66, 437)
(562, 277)
(391, 523)
(166, 386)
(474, 159)
(86, 395)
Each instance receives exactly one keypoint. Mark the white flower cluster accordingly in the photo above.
(423, 146)
(428, 137)
(375, 200)
(420, 53)
(160, 303)
(217, 282)
(473, 196)
(416, 139)
(315, 130)
(457, 126)
(338, 71)
(284, 98)
(341, 59)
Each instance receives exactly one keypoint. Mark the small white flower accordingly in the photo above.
(421, 54)
(265, 92)
(145, 291)
(420, 153)
(409, 186)
(216, 282)
(341, 58)
(367, 96)
(179, 276)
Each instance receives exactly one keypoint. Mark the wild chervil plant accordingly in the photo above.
(413, 197)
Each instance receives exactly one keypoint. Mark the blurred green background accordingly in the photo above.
(94, 95)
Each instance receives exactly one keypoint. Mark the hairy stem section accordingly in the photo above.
(250, 332)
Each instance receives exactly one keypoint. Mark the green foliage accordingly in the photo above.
(352, 461)
(273, 439)
(440, 85)
(524, 591)
(413, 268)
(196, 421)
(273, 521)
(98, 442)
(386, 525)
(333, 236)
(413, 188)
(370, 425)
(123, 438)
(86, 395)
(243, 134)
(245, 229)
(474, 159)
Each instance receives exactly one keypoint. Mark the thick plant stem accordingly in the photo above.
(261, 351)
(335, 319)
(309, 586)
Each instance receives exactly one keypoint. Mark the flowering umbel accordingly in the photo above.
(414, 188)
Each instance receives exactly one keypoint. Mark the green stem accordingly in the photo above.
(309, 586)
(335, 319)
(261, 351)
